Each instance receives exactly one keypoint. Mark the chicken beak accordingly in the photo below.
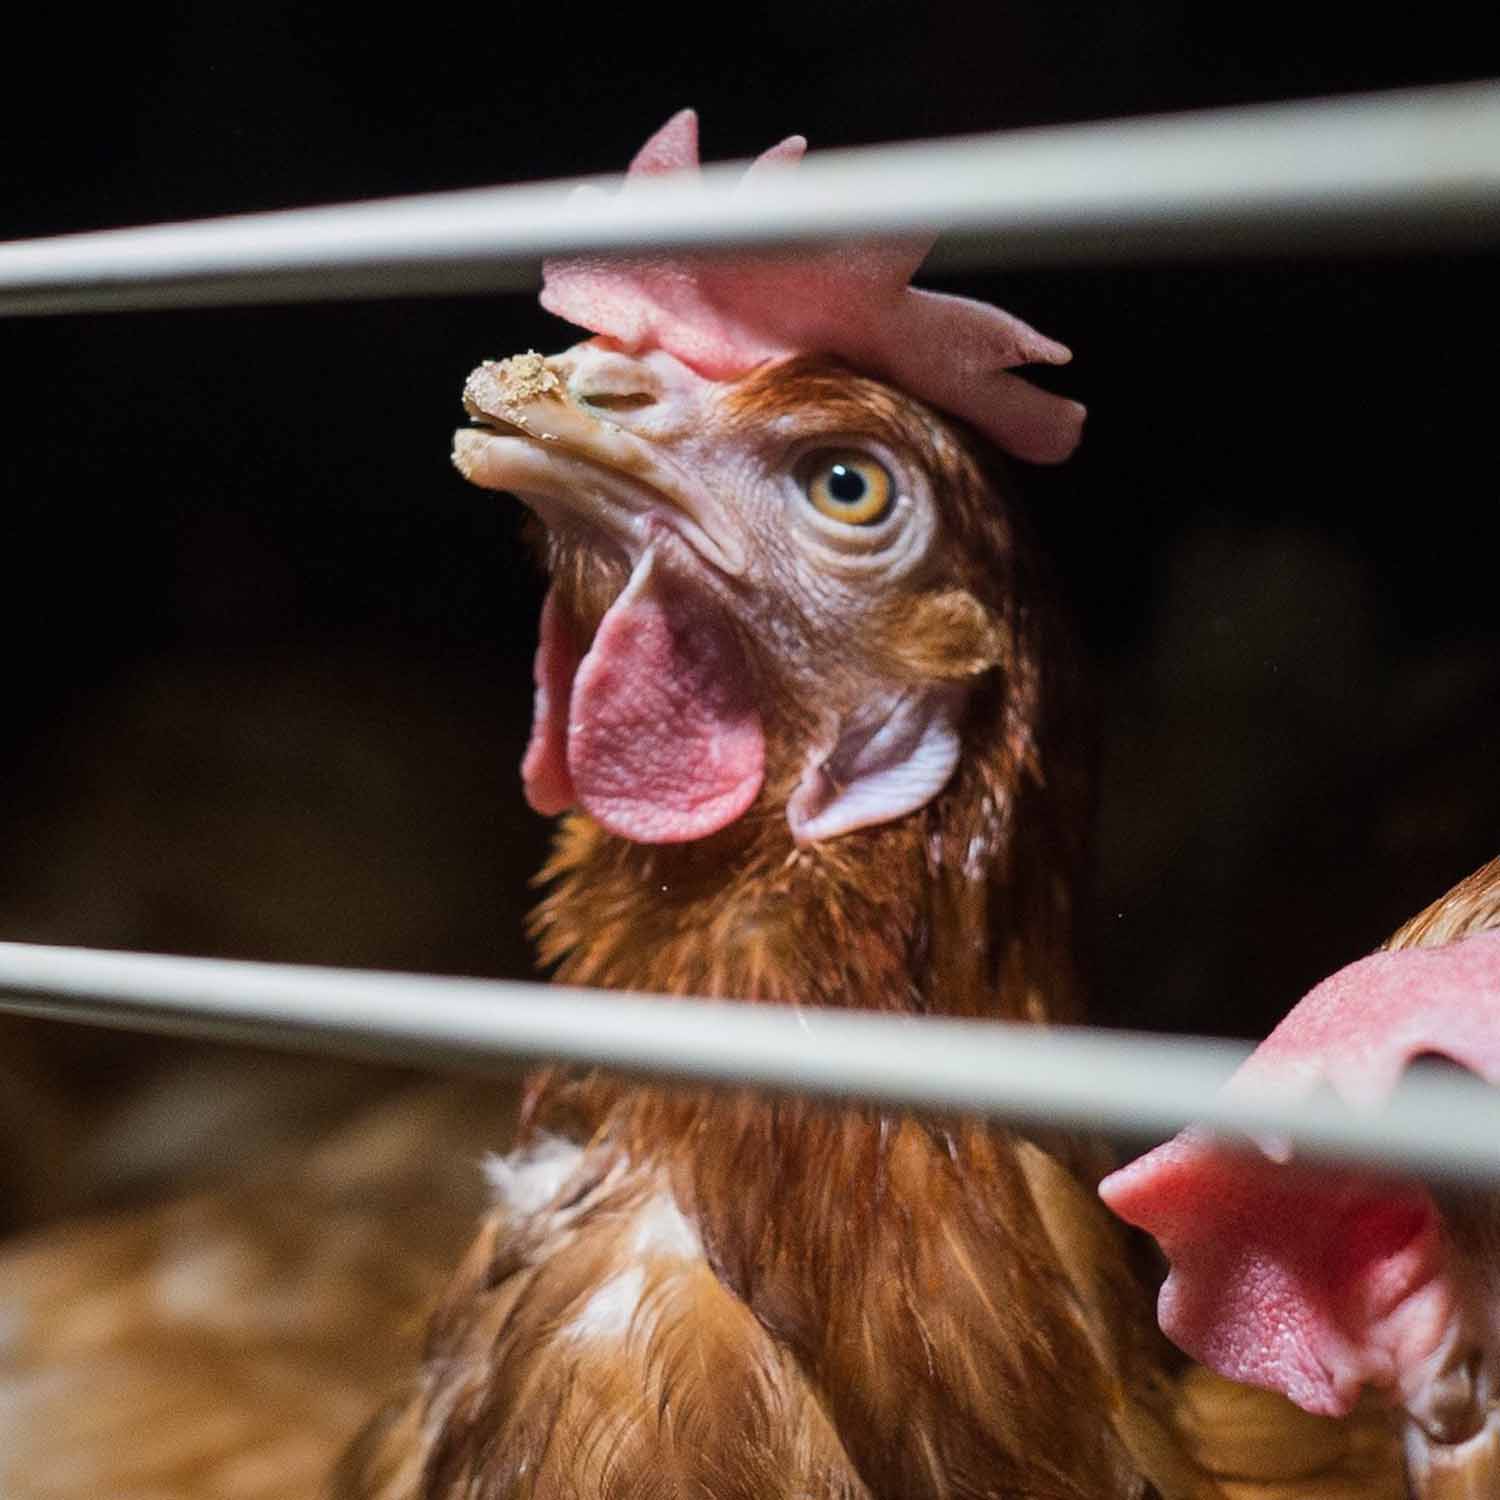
(534, 438)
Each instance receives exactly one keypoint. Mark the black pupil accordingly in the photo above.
(846, 485)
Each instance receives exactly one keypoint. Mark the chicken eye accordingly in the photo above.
(848, 486)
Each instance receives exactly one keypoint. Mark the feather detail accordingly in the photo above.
(847, 1325)
(588, 1348)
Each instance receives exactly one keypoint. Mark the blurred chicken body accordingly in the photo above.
(226, 1345)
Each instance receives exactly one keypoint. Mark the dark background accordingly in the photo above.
(267, 657)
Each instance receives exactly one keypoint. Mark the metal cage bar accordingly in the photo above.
(1130, 1086)
(1415, 166)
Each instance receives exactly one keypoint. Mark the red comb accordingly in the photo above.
(724, 315)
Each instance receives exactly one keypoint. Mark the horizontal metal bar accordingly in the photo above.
(1114, 1083)
(1413, 166)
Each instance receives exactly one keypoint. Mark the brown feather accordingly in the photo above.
(1473, 905)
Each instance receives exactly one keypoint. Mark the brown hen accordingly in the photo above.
(688, 1292)
(771, 1297)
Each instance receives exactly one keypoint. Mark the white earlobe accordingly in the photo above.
(890, 757)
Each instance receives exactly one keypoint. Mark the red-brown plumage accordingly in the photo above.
(857, 1302)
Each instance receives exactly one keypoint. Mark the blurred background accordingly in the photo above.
(267, 659)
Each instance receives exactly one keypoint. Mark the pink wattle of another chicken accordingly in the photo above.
(1319, 1281)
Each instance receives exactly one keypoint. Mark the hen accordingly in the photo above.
(799, 678)
(1319, 1282)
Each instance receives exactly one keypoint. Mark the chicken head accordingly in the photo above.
(780, 551)
(764, 563)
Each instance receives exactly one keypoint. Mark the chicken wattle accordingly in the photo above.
(661, 739)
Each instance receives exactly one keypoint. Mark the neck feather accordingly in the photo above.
(963, 908)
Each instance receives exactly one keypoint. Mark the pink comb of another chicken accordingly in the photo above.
(1317, 1281)
(723, 316)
